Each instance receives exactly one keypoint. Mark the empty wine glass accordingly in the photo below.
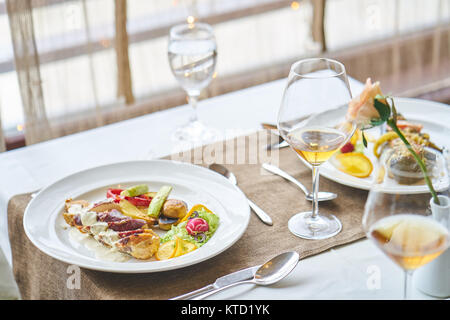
(312, 120)
(192, 55)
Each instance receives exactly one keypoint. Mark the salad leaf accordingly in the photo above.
(178, 231)
(181, 232)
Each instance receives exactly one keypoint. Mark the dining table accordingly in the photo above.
(357, 270)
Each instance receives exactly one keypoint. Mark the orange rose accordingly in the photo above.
(361, 108)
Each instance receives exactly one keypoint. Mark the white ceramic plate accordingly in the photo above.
(44, 224)
(435, 118)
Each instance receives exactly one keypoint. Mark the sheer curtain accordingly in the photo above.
(53, 94)
(28, 71)
(99, 65)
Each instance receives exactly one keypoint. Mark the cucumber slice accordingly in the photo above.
(154, 209)
(135, 191)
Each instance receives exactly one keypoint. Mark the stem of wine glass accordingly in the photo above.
(193, 99)
(407, 285)
(315, 186)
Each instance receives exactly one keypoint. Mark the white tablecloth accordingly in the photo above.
(354, 271)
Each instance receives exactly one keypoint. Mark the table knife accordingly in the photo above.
(279, 145)
(240, 275)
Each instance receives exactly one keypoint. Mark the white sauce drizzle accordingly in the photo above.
(101, 251)
(99, 230)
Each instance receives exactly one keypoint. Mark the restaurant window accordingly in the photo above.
(257, 41)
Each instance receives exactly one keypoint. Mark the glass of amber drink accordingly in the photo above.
(312, 120)
(401, 225)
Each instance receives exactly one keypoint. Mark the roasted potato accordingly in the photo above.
(173, 208)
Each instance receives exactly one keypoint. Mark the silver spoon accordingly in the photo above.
(270, 272)
(232, 178)
(322, 195)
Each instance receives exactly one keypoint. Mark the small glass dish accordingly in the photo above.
(401, 168)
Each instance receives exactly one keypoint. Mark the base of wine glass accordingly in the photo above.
(195, 132)
(322, 227)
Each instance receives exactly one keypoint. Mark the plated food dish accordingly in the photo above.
(193, 190)
(127, 221)
(397, 160)
(426, 126)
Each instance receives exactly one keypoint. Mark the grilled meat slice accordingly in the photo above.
(127, 224)
(113, 229)
(140, 245)
(112, 216)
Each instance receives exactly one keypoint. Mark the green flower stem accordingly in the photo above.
(419, 161)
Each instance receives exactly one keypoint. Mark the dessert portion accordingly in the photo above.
(398, 160)
(369, 110)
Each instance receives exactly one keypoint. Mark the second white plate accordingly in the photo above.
(435, 118)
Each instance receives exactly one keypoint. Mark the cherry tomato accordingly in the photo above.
(115, 194)
(140, 201)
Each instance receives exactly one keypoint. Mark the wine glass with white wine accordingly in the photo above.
(401, 225)
(312, 120)
(192, 55)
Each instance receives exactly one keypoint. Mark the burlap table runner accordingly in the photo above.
(42, 277)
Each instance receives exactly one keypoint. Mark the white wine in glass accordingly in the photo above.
(192, 54)
(316, 145)
(410, 240)
(318, 89)
(400, 225)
